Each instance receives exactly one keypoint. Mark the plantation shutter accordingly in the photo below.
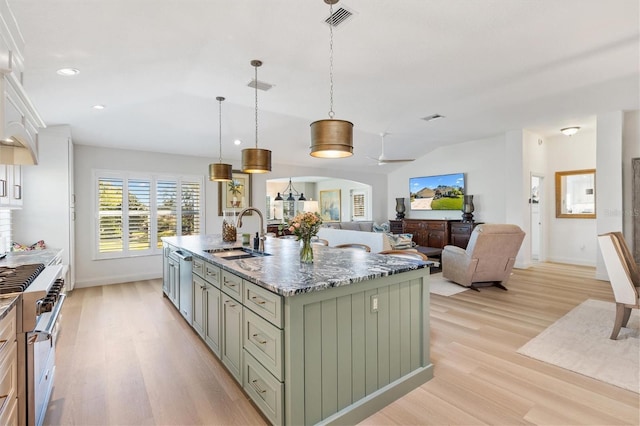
(139, 200)
(190, 208)
(110, 215)
(358, 206)
(167, 209)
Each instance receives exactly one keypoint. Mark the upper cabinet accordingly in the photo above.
(10, 186)
(19, 119)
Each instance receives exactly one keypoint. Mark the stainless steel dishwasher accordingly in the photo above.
(185, 284)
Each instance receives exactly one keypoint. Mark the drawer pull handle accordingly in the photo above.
(259, 301)
(257, 388)
(229, 283)
(230, 304)
(262, 342)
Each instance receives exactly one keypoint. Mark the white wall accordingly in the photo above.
(108, 271)
(482, 162)
(570, 240)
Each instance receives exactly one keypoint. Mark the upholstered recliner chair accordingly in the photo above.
(488, 259)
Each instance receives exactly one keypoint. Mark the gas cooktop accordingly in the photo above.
(17, 278)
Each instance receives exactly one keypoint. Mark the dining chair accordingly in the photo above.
(319, 241)
(354, 246)
(407, 254)
(624, 292)
(628, 257)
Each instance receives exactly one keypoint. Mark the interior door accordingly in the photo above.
(536, 203)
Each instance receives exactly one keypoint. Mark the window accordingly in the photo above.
(360, 204)
(136, 211)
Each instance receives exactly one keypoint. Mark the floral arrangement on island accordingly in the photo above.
(304, 226)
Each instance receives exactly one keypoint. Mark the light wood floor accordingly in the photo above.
(126, 357)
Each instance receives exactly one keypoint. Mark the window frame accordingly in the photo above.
(153, 179)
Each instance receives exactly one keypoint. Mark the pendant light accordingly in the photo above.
(331, 138)
(255, 160)
(219, 171)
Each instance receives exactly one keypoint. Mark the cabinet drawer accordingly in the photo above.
(9, 412)
(232, 285)
(8, 379)
(461, 228)
(266, 304)
(212, 274)
(436, 226)
(264, 389)
(7, 332)
(198, 267)
(264, 342)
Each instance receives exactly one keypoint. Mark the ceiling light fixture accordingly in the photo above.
(237, 142)
(99, 107)
(68, 72)
(570, 131)
(220, 172)
(255, 160)
(331, 138)
(291, 190)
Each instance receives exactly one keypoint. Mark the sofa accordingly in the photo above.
(377, 237)
(366, 226)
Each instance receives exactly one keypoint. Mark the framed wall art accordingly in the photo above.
(330, 205)
(236, 194)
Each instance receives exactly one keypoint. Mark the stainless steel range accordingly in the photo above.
(38, 315)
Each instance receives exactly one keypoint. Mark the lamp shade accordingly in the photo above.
(256, 160)
(220, 172)
(331, 138)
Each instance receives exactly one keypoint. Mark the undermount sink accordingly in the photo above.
(233, 253)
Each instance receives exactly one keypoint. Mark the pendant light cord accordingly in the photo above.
(331, 113)
(220, 99)
(256, 84)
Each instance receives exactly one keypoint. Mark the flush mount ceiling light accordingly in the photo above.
(68, 72)
(220, 172)
(570, 131)
(255, 160)
(331, 138)
(99, 107)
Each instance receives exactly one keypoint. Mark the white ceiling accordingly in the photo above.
(488, 66)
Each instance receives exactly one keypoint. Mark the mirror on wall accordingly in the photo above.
(576, 194)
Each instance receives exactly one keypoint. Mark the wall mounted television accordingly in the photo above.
(440, 192)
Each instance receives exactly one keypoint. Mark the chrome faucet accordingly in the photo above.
(262, 232)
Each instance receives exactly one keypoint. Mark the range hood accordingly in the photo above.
(19, 123)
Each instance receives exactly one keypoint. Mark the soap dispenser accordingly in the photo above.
(256, 242)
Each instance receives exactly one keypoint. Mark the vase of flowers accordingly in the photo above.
(304, 226)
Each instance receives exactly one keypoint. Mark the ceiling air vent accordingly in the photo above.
(432, 117)
(261, 85)
(338, 17)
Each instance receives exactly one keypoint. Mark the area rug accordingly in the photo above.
(443, 287)
(579, 341)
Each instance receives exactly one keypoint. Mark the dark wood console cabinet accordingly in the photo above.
(438, 233)
(395, 226)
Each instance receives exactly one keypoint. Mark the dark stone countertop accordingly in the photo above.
(282, 272)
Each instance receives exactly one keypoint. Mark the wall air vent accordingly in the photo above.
(338, 17)
(261, 85)
(432, 117)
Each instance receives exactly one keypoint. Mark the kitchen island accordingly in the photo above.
(332, 341)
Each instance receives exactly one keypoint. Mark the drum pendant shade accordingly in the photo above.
(220, 172)
(256, 160)
(331, 138)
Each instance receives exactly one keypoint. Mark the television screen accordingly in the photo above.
(441, 192)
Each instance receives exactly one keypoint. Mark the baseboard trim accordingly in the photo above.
(115, 280)
(569, 261)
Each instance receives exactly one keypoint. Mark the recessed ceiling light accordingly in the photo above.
(237, 142)
(68, 72)
(98, 106)
(570, 131)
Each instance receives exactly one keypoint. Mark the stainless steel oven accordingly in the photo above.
(38, 324)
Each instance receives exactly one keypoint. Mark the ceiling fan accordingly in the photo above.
(384, 160)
